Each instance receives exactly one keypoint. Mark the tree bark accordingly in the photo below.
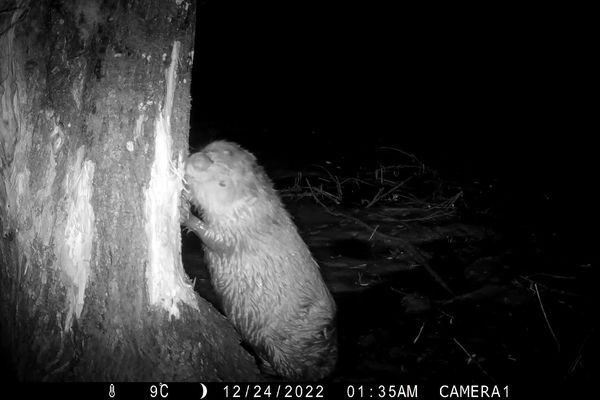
(94, 119)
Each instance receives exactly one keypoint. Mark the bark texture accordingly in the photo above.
(94, 119)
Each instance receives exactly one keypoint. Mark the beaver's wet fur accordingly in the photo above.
(269, 284)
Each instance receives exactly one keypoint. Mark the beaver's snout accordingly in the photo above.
(198, 162)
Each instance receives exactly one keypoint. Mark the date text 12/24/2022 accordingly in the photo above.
(362, 391)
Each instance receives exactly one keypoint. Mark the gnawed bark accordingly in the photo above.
(94, 100)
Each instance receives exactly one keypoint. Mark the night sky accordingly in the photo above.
(477, 94)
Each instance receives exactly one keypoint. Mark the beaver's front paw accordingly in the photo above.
(184, 208)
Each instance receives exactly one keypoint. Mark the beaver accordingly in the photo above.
(269, 284)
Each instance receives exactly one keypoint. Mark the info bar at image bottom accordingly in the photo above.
(269, 390)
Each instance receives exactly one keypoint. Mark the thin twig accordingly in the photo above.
(472, 358)
(575, 362)
(375, 198)
(403, 152)
(388, 192)
(537, 292)
(550, 276)
(548, 288)
(322, 192)
(335, 179)
(419, 334)
(356, 181)
(373, 233)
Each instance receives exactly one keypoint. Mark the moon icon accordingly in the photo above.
(203, 391)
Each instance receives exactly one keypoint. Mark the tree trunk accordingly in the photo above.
(94, 119)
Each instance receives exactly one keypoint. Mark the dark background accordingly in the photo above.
(488, 94)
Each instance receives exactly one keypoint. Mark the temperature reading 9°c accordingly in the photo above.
(159, 390)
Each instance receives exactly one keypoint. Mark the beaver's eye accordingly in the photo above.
(222, 183)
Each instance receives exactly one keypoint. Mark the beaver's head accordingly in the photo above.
(223, 177)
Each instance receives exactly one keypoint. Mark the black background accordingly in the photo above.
(491, 94)
(499, 89)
